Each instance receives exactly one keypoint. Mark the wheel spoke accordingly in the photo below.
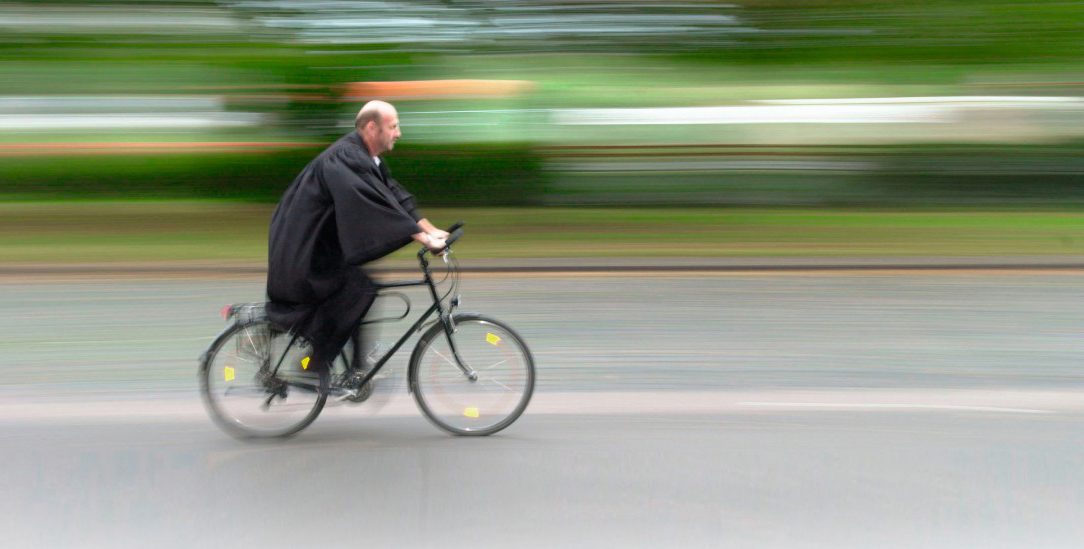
(499, 383)
(446, 359)
(241, 358)
(455, 373)
(490, 367)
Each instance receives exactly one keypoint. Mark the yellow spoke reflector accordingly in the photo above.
(471, 412)
(492, 339)
(305, 363)
(228, 373)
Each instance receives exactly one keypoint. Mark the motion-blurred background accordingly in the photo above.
(144, 144)
(166, 130)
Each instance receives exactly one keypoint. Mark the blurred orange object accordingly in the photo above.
(431, 89)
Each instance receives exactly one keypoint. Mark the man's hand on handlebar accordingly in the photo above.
(432, 230)
(434, 242)
(431, 242)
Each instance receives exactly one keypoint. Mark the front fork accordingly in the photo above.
(449, 330)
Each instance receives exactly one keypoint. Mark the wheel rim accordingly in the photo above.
(243, 395)
(505, 379)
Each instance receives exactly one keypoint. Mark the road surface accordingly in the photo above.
(785, 409)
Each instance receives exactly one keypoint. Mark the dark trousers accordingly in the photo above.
(328, 325)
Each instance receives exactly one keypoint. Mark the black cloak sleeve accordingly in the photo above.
(373, 218)
(405, 199)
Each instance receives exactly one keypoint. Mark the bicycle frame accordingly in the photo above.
(443, 313)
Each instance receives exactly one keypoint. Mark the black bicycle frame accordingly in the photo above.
(445, 319)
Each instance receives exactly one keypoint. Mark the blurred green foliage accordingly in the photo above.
(437, 174)
(779, 49)
(949, 32)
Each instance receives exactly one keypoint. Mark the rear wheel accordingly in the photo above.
(449, 397)
(250, 392)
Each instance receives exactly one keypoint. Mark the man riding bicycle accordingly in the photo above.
(342, 211)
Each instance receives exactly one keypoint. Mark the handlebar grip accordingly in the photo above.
(453, 237)
(455, 227)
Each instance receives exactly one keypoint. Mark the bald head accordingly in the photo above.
(378, 124)
(371, 112)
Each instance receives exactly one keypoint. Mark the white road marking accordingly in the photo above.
(173, 407)
(892, 406)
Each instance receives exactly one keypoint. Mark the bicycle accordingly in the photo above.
(468, 373)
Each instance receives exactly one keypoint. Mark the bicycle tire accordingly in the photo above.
(241, 396)
(505, 384)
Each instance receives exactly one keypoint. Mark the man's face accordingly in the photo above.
(386, 132)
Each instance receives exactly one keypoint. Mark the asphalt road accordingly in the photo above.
(852, 409)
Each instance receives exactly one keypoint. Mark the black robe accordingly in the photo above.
(343, 210)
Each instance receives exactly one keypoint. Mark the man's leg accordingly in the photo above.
(360, 349)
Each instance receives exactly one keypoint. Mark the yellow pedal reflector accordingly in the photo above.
(305, 363)
(471, 412)
(228, 372)
(492, 339)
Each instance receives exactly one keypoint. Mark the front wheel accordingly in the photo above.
(256, 384)
(450, 398)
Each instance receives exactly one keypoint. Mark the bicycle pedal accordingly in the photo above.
(353, 395)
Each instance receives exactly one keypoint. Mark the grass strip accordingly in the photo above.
(150, 231)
